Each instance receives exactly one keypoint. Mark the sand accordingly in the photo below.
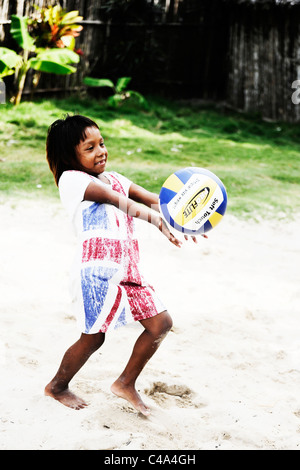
(226, 377)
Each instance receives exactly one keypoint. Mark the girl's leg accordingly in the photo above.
(74, 358)
(147, 343)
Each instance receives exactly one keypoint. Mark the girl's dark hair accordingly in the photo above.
(63, 136)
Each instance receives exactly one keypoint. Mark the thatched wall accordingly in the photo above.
(264, 52)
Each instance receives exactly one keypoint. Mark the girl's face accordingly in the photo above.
(91, 152)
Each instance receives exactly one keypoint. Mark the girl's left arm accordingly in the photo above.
(139, 194)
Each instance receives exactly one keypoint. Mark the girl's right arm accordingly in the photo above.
(105, 195)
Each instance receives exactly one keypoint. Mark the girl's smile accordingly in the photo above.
(91, 152)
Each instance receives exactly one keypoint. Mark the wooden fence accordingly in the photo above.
(243, 53)
(264, 51)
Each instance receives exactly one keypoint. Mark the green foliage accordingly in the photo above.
(9, 61)
(120, 92)
(54, 61)
(54, 27)
(98, 82)
(19, 31)
(55, 30)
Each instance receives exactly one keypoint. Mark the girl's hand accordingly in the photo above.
(165, 231)
(195, 238)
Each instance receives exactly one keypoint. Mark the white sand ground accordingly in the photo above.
(226, 377)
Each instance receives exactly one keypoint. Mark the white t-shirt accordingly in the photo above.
(107, 288)
(72, 186)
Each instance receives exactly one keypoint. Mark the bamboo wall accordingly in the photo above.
(264, 50)
(243, 53)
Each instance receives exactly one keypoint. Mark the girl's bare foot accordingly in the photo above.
(130, 394)
(66, 397)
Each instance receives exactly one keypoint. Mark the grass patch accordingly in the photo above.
(257, 161)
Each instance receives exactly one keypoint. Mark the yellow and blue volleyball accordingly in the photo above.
(193, 200)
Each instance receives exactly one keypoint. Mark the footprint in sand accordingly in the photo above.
(161, 392)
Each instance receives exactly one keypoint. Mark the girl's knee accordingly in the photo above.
(167, 321)
(159, 325)
(93, 342)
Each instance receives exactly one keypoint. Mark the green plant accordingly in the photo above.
(120, 92)
(48, 60)
(54, 27)
(9, 61)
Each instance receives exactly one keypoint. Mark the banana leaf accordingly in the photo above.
(89, 81)
(8, 59)
(49, 66)
(61, 56)
(122, 84)
(56, 61)
(20, 33)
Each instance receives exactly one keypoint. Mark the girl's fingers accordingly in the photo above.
(165, 230)
(174, 240)
(193, 238)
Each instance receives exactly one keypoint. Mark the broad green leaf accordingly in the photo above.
(98, 82)
(122, 84)
(51, 67)
(9, 58)
(20, 33)
(60, 56)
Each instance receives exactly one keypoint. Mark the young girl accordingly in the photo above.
(108, 288)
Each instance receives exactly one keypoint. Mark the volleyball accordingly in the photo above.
(193, 200)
